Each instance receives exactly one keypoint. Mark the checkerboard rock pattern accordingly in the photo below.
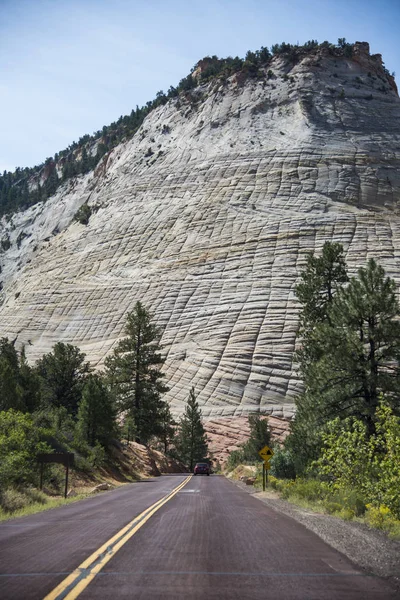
(211, 227)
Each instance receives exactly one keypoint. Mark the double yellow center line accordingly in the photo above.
(78, 580)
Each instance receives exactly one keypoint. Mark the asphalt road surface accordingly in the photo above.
(174, 537)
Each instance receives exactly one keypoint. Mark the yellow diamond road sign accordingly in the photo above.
(266, 453)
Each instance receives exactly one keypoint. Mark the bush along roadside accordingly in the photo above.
(357, 475)
(345, 503)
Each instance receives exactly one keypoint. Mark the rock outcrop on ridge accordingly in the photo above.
(206, 215)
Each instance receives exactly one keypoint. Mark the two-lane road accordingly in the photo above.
(174, 537)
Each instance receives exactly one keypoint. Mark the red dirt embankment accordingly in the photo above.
(226, 434)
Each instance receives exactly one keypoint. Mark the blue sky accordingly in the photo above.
(70, 67)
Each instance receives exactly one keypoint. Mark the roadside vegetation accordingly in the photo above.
(342, 455)
(61, 405)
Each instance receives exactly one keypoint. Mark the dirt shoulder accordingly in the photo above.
(367, 548)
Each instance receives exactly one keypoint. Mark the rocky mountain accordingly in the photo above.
(206, 215)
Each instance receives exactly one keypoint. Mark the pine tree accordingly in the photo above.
(192, 441)
(96, 414)
(128, 429)
(352, 358)
(52, 182)
(361, 349)
(321, 280)
(19, 386)
(134, 373)
(167, 434)
(62, 375)
(30, 384)
(260, 436)
(84, 162)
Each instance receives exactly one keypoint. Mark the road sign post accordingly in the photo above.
(63, 458)
(266, 454)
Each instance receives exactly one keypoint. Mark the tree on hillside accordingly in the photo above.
(19, 387)
(30, 384)
(135, 376)
(96, 420)
(321, 279)
(168, 428)
(10, 389)
(352, 357)
(63, 373)
(260, 436)
(192, 441)
(361, 349)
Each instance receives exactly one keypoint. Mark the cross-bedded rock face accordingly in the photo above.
(207, 216)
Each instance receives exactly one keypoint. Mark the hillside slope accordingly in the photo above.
(206, 215)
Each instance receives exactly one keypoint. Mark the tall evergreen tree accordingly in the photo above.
(30, 384)
(134, 373)
(168, 429)
(361, 349)
(10, 389)
(260, 436)
(320, 282)
(352, 358)
(321, 279)
(52, 182)
(96, 413)
(19, 386)
(63, 373)
(192, 441)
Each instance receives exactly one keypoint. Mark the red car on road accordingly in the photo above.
(201, 469)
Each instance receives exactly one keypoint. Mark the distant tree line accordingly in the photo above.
(27, 186)
(253, 61)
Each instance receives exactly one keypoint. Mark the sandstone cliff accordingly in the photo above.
(207, 215)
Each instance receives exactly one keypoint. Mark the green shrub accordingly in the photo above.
(12, 500)
(273, 482)
(362, 467)
(235, 458)
(346, 514)
(332, 507)
(282, 464)
(286, 488)
(35, 496)
(348, 498)
(83, 214)
(380, 517)
(20, 442)
(97, 455)
(306, 489)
